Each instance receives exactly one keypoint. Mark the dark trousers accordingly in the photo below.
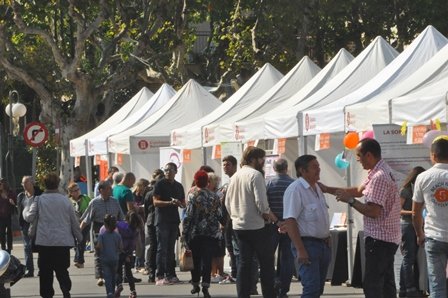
(6, 234)
(408, 270)
(54, 259)
(379, 278)
(96, 258)
(285, 260)
(203, 249)
(151, 250)
(166, 240)
(256, 242)
(125, 262)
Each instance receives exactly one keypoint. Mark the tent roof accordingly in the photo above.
(292, 82)
(376, 110)
(78, 145)
(191, 136)
(249, 128)
(98, 143)
(190, 103)
(330, 118)
(365, 66)
(423, 105)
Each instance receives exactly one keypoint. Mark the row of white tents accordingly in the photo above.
(379, 86)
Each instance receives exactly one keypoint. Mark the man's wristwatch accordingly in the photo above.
(351, 201)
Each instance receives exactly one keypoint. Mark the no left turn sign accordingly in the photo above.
(35, 134)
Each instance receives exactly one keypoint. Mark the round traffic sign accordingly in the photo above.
(35, 134)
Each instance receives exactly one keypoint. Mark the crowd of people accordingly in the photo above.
(136, 224)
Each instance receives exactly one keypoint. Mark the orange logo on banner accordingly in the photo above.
(281, 146)
(103, 169)
(186, 154)
(441, 195)
(119, 159)
(217, 151)
(417, 134)
(324, 141)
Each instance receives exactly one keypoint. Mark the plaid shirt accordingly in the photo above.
(381, 189)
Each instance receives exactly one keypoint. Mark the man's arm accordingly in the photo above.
(351, 191)
(293, 232)
(158, 202)
(417, 221)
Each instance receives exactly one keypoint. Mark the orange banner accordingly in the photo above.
(417, 134)
(324, 141)
(186, 155)
(281, 146)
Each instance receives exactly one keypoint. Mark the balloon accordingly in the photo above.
(429, 137)
(340, 161)
(351, 139)
(368, 135)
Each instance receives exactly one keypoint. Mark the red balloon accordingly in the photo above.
(351, 140)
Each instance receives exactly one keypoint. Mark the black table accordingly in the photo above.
(338, 268)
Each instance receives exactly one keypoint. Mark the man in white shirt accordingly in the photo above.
(431, 191)
(308, 225)
(247, 205)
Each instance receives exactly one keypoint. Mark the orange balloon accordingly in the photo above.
(351, 140)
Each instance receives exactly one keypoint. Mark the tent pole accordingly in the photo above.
(349, 231)
(301, 138)
(88, 171)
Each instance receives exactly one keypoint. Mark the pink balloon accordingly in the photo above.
(429, 137)
(368, 135)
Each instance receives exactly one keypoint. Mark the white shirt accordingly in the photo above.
(308, 207)
(431, 188)
(246, 199)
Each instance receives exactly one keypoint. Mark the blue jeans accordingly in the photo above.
(436, 256)
(379, 277)
(80, 246)
(285, 259)
(166, 241)
(408, 278)
(313, 275)
(27, 249)
(109, 274)
(250, 243)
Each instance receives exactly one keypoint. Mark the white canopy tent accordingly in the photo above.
(422, 105)
(193, 136)
(328, 117)
(78, 145)
(98, 143)
(251, 127)
(292, 82)
(377, 109)
(364, 67)
(142, 142)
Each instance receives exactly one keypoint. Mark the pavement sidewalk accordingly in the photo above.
(84, 284)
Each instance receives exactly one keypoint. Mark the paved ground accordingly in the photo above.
(84, 285)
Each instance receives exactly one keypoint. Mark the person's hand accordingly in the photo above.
(282, 227)
(303, 257)
(11, 201)
(342, 195)
(323, 187)
(421, 240)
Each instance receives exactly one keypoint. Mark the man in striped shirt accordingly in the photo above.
(381, 211)
(285, 261)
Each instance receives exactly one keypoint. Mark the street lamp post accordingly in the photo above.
(14, 110)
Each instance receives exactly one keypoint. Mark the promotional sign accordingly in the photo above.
(35, 134)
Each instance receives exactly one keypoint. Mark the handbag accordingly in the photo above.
(185, 259)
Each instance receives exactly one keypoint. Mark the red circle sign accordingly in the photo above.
(35, 134)
(143, 144)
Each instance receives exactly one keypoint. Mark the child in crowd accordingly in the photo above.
(128, 230)
(109, 246)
